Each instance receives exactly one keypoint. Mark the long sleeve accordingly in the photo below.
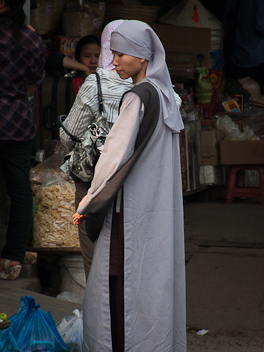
(119, 145)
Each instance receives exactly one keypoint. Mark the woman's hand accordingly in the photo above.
(78, 219)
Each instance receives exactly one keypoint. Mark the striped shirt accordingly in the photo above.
(85, 107)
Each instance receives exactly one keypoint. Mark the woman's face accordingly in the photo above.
(130, 66)
(89, 55)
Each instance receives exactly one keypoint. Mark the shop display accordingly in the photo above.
(195, 41)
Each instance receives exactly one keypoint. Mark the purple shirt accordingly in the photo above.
(19, 68)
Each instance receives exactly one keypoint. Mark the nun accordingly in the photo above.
(135, 295)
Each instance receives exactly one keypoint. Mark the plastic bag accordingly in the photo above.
(71, 331)
(54, 205)
(32, 329)
(231, 130)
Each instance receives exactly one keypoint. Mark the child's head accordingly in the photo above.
(87, 51)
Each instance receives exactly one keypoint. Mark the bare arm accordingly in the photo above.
(75, 65)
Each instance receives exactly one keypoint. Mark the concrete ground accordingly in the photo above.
(224, 275)
(224, 278)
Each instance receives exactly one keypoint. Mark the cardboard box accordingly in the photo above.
(210, 147)
(184, 43)
(242, 152)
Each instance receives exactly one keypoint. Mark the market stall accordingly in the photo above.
(220, 115)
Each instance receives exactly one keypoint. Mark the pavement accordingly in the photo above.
(224, 278)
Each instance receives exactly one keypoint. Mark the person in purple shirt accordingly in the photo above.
(22, 61)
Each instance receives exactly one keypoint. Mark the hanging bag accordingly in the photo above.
(80, 162)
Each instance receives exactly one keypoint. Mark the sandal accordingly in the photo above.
(10, 273)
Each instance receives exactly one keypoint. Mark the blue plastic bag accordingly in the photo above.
(31, 330)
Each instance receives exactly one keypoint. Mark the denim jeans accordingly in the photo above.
(15, 162)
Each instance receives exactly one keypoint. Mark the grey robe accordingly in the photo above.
(154, 266)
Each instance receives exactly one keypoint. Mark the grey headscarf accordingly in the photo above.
(136, 38)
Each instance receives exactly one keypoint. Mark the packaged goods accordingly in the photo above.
(53, 225)
(54, 205)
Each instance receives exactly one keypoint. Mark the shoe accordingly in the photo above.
(10, 273)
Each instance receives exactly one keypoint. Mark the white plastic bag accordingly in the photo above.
(71, 331)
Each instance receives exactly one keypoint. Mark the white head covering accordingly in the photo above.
(136, 38)
(106, 55)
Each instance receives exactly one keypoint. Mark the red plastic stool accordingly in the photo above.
(233, 190)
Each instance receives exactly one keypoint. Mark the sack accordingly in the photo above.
(71, 331)
(80, 162)
(31, 329)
